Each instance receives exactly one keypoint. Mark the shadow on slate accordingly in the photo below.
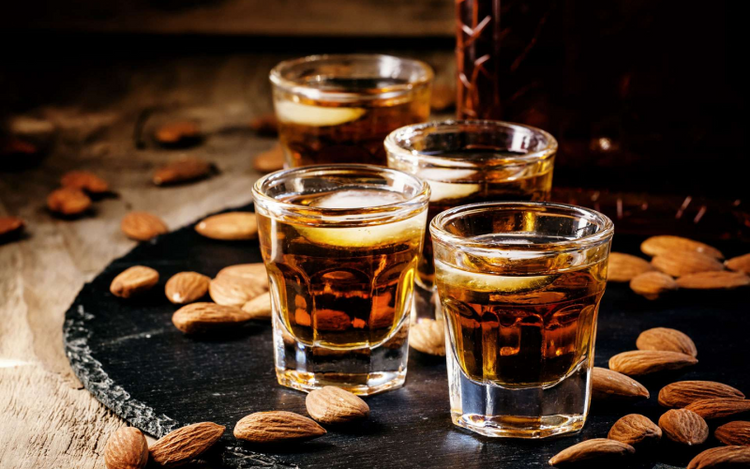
(132, 359)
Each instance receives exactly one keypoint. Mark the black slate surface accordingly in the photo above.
(132, 359)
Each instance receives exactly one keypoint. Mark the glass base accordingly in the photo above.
(519, 427)
(362, 384)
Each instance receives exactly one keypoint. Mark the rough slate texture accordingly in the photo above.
(130, 356)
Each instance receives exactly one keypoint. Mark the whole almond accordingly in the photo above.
(134, 281)
(713, 280)
(623, 267)
(739, 263)
(269, 161)
(664, 338)
(127, 448)
(229, 226)
(608, 384)
(658, 245)
(255, 272)
(186, 443)
(679, 263)
(684, 426)
(683, 393)
(722, 457)
(197, 318)
(68, 201)
(332, 405)
(85, 181)
(182, 170)
(734, 433)
(142, 226)
(234, 291)
(719, 407)
(11, 225)
(428, 336)
(643, 362)
(186, 287)
(259, 307)
(595, 449)
(634, 429)
(276, 427)
(177, 133)
(652, 285)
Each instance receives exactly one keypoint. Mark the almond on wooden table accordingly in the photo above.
(276, 427)
(177, 133)
(428, 336)
(85, 181)
(644, 362)
(657, 245)
(126, 448)
(722, 457)
(664, 338)
(182, 170)
(734, 433)
(652, 285)
(186, 287)
(259, 307)
(721, 280)
(739, 263)
(593, 450)
(270, 160)
(332, 405)
(68, 201)
(635, 429)
(608, 384)
(679, 263)
(186, 443)
(134, 281)
(719, 407)
(229, 226)
(197, 318)
(684, 426)
(11, 225)
(623, 267)
(142, 226)
(683, 393)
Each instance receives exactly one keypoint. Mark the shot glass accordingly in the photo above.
(340, 244)
(520, 285)
(468, 162)
(340, 108)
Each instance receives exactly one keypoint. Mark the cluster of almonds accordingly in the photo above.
(691, 403)
(127, 448)
(678, 263)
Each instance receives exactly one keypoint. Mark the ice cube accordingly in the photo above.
(440, 181)
(315, 116)
(358, 198)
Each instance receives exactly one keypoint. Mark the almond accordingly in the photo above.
(255, 272)
(126, 449)
(229, 226)
(197, 318)
(134, 281)
(68, 201)
(683, 393)
(259, 307)
(428, 336)
(186, 287)
(276, 427)
(85, 181)
(177, 133)
(658, 245)
(719, 407)
(234, 291)
(713, 280)
(332, 405)
(739, 263)
(684, 426)
(596, 449)
(664, 338)
(643, 362)
(623, 267)
(186, 443)
(11, 226)
(142, 226)
(608, 384)
(734, 433)
(269, 161)
(634, 429)
(266, 125)
(679, 263)
(182, 170)
(651, 285)
(722, 457)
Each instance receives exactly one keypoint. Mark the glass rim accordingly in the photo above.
(395, 149)
(438, 231)
(343, 216)
(297, 87)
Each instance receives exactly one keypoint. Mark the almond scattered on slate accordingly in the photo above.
(664, 338)
(634, 430)
(739, 263)
(185, 444)
(683, 393)
(259, 307)
(277, 427)
(68, 201)
(657, 245)
(652, 285)
(719, 407)
(679, 263)
(182, 170)
(428, 336)
(234, 291)
(134, 281)
(178, 133)
(229, 226)
(602, 450)
(721, 280)
(186, 287)
(722, 458)
(734, 433)
(684, 426)
(611, 385)
(85, 181)
(644, 362)
(332, 405)
(198, 318)
(142, 226)
(623, 267)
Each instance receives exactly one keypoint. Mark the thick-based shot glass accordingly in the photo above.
(520, 285)
(340, 108)
(340, 244)
(467, 162)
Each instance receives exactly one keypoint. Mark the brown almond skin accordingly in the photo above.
(259, 307)
(428, 336)
(664, 338)
(255, 272)
(229, 226)
(657, 245)
(234, 291)
(142, 226)
(68, 201)
(652, 285)
(596, 449)
(277, 427)
(721, 280)
(127, 448)
(10, 226)
(85, 181)
(197, 318)
(683, 393)
(722, 457)
(134, 281)
(679, 263)
(269, 161)
(186, 287)
(182, 170)
(609, 385)
(185, 443)
(334, 406)
(734, 433)
(719, 407)
(684, 426)
(634, 430)
(644, 362)
(177, 133)
(739, 263)
(623, 267)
